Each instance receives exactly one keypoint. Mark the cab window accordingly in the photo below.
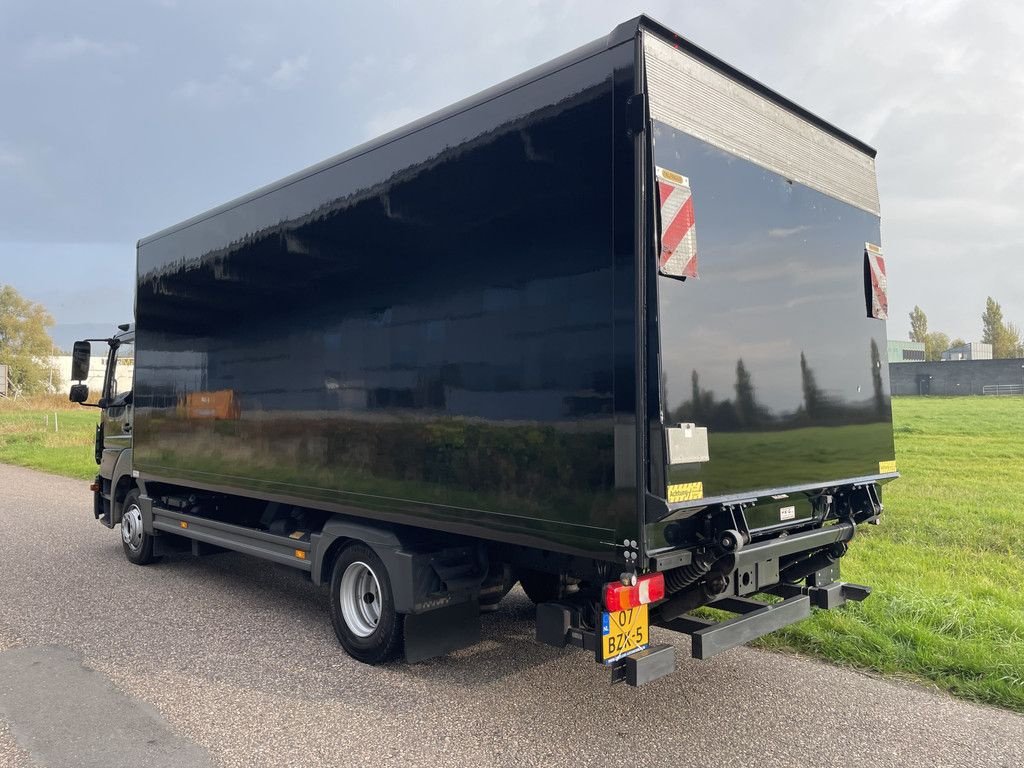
(122, 366)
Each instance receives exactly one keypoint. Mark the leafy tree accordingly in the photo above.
(918, 324)
(25, 343)
(1005, 337)
(957, 342)
(991, 322)
(935, 343)
(1013, 345)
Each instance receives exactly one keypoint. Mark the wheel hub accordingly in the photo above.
(131, 528)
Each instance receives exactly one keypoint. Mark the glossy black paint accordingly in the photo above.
(771, 348)
(440, 327)
(436, 329)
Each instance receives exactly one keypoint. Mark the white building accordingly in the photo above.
(61, 379)
(974, 350)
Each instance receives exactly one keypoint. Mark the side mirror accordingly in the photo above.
(80, 356)
(79, 393)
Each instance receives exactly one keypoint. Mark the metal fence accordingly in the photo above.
(1003, 389)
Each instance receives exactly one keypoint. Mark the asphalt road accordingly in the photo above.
(229, 661)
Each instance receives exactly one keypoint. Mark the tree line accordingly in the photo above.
(1004, 336)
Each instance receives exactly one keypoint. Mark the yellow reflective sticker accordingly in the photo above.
(685, 492)
(886, 467)
(672, 176)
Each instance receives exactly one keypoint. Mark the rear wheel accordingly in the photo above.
(137, 544)
(363, 607)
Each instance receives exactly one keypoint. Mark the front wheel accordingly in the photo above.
(137, 544)
(363, 607)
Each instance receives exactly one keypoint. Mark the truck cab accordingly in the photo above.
(114, 431)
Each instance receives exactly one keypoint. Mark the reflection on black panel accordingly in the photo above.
(435, 331)
(771, 348)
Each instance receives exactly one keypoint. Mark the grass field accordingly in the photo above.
(947, 564)
(28, 437)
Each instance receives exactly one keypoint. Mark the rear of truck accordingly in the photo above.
(766, 386)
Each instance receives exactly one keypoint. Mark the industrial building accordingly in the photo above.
(906, 351)
(972, 350)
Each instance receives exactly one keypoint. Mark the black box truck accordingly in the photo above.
(613, 330)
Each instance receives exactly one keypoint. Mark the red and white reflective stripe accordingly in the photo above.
(678, 243)
(879, 282)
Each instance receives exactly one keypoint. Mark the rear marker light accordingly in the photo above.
(301, 554)
(94, 487)
(621, 597)
(183, 524)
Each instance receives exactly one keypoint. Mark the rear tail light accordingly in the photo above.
(621, 597)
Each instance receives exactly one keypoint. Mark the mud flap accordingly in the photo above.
(441, 631)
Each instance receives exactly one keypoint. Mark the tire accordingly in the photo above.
(137, 544)
(540, 587)
(369, 630)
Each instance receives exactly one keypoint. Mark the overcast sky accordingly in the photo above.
(122, 118)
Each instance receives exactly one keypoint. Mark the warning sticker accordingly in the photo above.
(685, 492)
(879, 281)
(677, 246)
(886, 467)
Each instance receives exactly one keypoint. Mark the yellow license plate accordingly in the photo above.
(623, 632)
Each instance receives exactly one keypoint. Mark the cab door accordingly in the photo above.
(117, 414)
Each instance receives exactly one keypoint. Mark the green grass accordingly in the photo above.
(27, 438)
(947, 563)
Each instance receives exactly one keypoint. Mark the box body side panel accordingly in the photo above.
(423, 333)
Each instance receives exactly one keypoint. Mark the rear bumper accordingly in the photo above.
(724, 567)
(756, 619)
(562, 624)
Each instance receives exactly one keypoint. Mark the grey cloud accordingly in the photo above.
(222, 92)
(289, 72)
(9, 158)
(47, 50)
(787, 231)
